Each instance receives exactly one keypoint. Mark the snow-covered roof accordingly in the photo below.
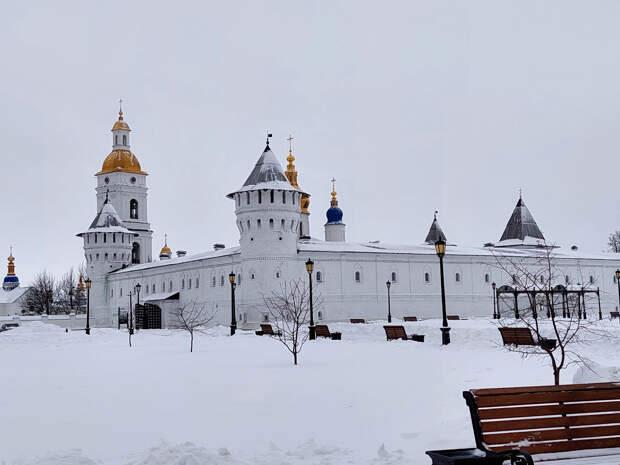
(107, 220)
(178, 260)
(267, 174)
(9, 297)
(435, 233)
(316, 245)
(162, 296)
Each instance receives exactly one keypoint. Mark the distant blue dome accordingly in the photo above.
(11, 279)
(334, 215)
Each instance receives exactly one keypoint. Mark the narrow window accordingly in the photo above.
(319, 277)
(189, 283)
(293, 226)
(247, 198)
(282, 226)
(542, 280)
(358, 277)
(252, 276)
(114, 256)
(183, 284)
(427, 277)
(133, 209)
(248, 225)
(258, 224)
(283, 196)
(124, 139)
(135, 253)
(271, 196)
(95, 238)
(260, 196)
(293, 198)
(566, 279)
(170, 286)
(394, 276)
(487, 278)
(514, 279)
(106, 257)
(116, 139)
(197, 283)
(113, 237)
(153, 288)
(591, 279)
(121, 292)
(105, 238)
(277, 274)
(163, 287)
(222, 280)
(213, 281)
(271, 222)
(112, 293)
(457, 277)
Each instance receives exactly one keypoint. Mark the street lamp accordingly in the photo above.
(618, 282)
(388, 284)
(309, 269)
(233, 318)
(138, 287)
(130, 313)
(495, 312)
(440, 248)
(88, 283)
(71, 297)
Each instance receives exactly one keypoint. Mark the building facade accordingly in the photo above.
(273, 219)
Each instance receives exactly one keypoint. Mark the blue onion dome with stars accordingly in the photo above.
(334, 213)
(11, 281)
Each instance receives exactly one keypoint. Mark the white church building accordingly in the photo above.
(272, 216)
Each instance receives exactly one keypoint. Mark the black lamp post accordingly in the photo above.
(71, 298)
(233, 318)
(309, 269)
(495, 312)
(388, 284)
(618, 282)
(440, 248)
(88, 283)
(130, 313)
(143, 325)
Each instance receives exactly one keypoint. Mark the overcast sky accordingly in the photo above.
(412, 107)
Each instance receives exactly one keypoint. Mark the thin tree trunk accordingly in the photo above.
(295, 357)
(191, 344)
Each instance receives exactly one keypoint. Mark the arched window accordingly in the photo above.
(247, 198)
(105, 238)
(427, 277)
(133, 209)
(197, 283)
(487, 278)
(278, 274)
(97, 257)
(514, 279)
(189, 283)
(542, 279)
(566, 279)
(358, 277)
(283, 196)
(258, 224)
(282, 224)
(116, 139)
(121, 292)
(114, 256)
(170, 286)
(113, 237)
(260, 196)
(163, 287)
(591, 279)
(222, 280)
(320, 315)
(271, 222)
(106, 257)
(319, 277)
(252, 276)
(135, 253)
(457, 277)
(394, 276)
(95, 237)
(183, 283)
(213, 281)
(271, 196)
(124, 139)
(248, 223)
(293, 198)
(293, 227)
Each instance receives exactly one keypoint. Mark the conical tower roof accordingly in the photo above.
(107, 220)
(521, 226)
(435, 233)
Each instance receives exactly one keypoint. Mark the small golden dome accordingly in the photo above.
(120, 124)
(165, 250)
(121, 160)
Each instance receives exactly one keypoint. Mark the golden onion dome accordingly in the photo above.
(121, 160)
(165, 250)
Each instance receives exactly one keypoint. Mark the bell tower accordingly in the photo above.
(122, 181)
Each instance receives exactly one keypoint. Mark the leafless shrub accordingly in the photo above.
(193, 317)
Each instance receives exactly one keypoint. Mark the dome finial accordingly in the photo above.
(435, 215)
(291, 172)
(268, 136)
(120, 109)
(334, 202)
(520, 193)
(165, 253)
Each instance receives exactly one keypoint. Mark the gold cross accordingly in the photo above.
(333, 184)
(290, 143)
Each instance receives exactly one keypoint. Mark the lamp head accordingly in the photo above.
(493, 285)
(309, 265)
(231, 277)
(388, 284)
(138, 287)
(440, 248)
(618, 274)
(88, 283)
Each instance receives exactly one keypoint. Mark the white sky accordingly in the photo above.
(412, 106)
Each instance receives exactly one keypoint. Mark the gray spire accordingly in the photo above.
(521, 225)
(267, 169)
(435, 233)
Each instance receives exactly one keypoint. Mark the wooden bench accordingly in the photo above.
(410, 318)
(453, 317)
(357, 320)
(267, 330)
(520, 423)
(523, 337)
(614, 315)
(398, 332)
(323, 331)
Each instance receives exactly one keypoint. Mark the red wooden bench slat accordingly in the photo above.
(410, 318)
(548, 397)
(357, 320)
(322, 331)
(541, 410)
(550, 422)
(453, 317)
(395, 332)
(540, 389)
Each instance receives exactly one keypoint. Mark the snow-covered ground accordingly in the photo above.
(70, 399)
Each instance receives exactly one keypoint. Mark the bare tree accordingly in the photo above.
(614, 242)
(65, 292)
(289, 309)
(192, 317)
(548, 310)
(40, 297)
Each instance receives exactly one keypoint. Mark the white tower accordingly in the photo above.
(122, 179)
(334, 228)
(268, 210)
(107, 247)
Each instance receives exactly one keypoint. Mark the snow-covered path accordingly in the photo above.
(240, 400)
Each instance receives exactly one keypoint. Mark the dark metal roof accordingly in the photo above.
(107, 217)
(521, 224)
(267, 169)
(435, 233)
